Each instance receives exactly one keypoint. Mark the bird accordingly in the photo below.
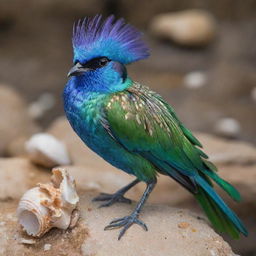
(133, 128)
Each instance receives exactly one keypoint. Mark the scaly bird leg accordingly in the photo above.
(116, 197)
(128, 221)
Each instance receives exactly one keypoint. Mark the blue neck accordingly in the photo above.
(106, 80)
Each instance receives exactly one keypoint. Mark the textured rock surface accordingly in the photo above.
(15, 121)
(223, 152)
(171, 232)
(187, 28)
(235, 160)
(17, 175)
(46, 150)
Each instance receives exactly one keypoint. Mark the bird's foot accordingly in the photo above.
(111, 199)
(126, 222)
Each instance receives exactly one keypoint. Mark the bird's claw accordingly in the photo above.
(125, 222)
(111, 199)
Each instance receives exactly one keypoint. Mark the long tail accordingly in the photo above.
(221, 216)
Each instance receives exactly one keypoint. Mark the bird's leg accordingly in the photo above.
(116, 197)
(127, 221)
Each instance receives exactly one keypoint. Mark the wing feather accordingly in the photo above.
(142, 122)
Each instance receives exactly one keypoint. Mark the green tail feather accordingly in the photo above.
(218, 219)
(221, 216)
(231, 191)
(211, 172)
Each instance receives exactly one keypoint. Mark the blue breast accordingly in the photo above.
(84, 112)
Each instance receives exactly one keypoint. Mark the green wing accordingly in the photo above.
(144, 124)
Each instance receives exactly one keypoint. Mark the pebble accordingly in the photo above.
(253, 94)
(27, 241)
(228, 127)
(45, 102)
(47, 247)
(195, 79)
(46, 150)
(191, 28)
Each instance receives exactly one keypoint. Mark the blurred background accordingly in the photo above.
(203, 63)
(203, 57)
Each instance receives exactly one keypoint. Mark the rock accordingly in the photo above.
(186, 28)
(164, 231)
(16, 176)
(195, 79)
(236, 161)
(17, 147)
(44, 103)
(243, 178)
(47, 247)
(253, 94)
(225, 152)
(171, 232)
(45, 150)
(15, 121)
(228, 127)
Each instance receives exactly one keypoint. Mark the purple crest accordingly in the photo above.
(94, 37)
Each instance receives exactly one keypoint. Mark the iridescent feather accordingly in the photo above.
(95, 37)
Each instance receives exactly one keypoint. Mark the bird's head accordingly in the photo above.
(102, 48)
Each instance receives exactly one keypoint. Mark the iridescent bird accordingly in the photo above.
(132, 127)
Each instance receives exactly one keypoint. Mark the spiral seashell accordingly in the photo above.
(49, 205)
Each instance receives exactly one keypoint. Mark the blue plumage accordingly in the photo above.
(93, 37)
(132, 127)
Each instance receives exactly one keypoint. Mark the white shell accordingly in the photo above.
(49, 205)
(46, 150)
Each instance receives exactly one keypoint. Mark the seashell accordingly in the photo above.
(49, 205)
(44, 149)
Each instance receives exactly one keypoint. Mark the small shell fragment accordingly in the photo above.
(27, 241)
(47, 247)
(44, 149)
(49, 205)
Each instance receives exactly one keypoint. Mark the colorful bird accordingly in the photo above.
(132, 127)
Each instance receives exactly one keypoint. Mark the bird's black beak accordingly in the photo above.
(77, 70)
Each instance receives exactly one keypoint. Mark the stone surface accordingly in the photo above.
(46, 150)
(15, 121)
(187, 28)
(222, 151)
(228, 127)
(17, 175)
(17, 147)
(94, 175)
(171, 232)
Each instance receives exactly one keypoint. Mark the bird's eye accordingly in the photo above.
(103, 61)
(96, 63)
